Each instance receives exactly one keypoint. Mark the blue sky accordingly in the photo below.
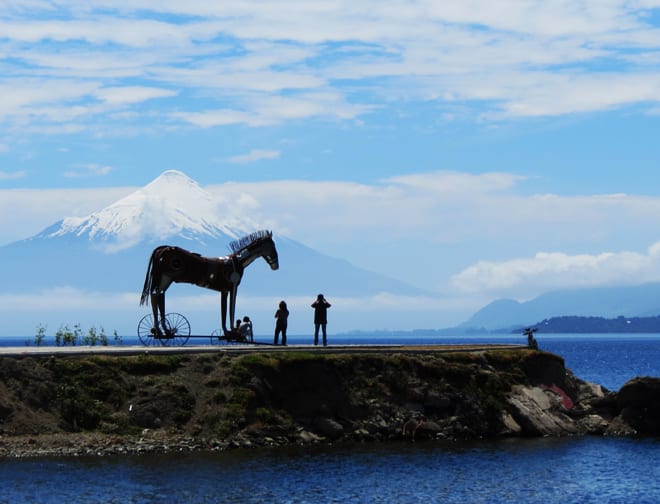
(477, 149)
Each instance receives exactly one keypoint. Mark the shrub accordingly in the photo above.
(67, 336)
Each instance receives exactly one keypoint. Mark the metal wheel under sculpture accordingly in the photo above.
(178, 330)
(170, 264)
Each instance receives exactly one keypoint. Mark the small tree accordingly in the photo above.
(96, 337)
(40, 336)
(77, 334)
(58, 336)
(103, 338)
(91, 337)
(65, 336)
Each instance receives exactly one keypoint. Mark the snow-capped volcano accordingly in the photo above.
(171, 205)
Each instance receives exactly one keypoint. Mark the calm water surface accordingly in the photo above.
(542, 470)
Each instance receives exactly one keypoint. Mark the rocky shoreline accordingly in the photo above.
(114, 405)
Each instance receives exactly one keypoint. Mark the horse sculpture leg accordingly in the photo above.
(158, 303)
(232, 306)
(223, 312)
(232, 309)
(158, 310)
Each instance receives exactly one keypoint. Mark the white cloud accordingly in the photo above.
(4, 175)
(447, 182)
(269, 110)
(98, 30)
(254, 155)
(255, 64)
(132, 94)
(26, 96)
(220, 117)
(553, 95)
(553, 270)
(65, 298)
(40, 208)
(88, 170)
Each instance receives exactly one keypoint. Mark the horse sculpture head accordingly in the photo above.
(258, 244)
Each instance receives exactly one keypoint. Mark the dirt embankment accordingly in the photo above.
(126, 404)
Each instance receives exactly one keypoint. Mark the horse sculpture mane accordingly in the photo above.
(241, 244)
(169, 264)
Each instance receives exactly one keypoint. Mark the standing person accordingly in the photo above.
(282, 315)
(320, 306)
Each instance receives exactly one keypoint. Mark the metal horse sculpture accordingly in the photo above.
(173, 264)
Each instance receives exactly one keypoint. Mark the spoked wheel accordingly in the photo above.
(218, 337)
(178, 330)
(146, 331)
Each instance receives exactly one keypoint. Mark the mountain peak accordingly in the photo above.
(171, 205)
(172, 179)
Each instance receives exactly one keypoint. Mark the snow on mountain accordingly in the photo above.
(171, 205)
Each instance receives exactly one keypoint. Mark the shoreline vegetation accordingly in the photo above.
(111, 404)
(72, 336)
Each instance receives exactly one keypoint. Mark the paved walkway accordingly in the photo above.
(25, 351)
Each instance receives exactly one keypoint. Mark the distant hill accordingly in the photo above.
(606, 302)
(573, 324)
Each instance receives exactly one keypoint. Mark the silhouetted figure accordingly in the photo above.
(282, 316)
(235, 332)
(320, 306)
(531, 341)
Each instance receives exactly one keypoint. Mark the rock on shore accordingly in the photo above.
(156, 403)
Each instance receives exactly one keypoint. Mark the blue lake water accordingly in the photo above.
(588, 469)
(545, 470)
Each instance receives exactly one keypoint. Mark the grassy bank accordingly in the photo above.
(265, 398)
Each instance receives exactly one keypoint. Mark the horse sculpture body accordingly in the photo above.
(173, 264)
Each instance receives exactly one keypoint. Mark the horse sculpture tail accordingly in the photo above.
(148, 279)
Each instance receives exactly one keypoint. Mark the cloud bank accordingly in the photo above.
(556, 270)
(99, 64)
